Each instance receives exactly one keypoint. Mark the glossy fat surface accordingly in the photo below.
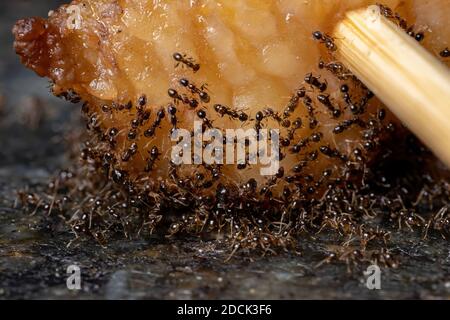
(253, 55)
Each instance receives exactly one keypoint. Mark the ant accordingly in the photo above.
(172, 110)
(126, 106)
(93, 123)
(337, 69)
(132, 150)
(132, 134)
(365, 100)
(107, 161)
(142, 101)
(315, 82)
(381, 115)
(224, 110)
(418, 36)
(389, 13)
(204, 96)
(358, 155)
(269, 113)
(206, 122)
(371, 234)
(266, 189)
(346, 124)
(445, 53)
(185, 60)
(314, 138)
(348, 100)
(325, 100)
(111, 137)
(259, 117)
(142, 116)
(298, 168)
(296, 125)
(150, 132)
(326, 39)
(325, 176)
(333, 153)
(293, 103)
(440, 222)
(193, 103)
(214, 170)
(308, 103)
(154, 154)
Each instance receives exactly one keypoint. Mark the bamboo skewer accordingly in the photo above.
(403, 75)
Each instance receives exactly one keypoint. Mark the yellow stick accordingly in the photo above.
(407, 78)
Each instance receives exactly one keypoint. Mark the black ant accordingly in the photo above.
(300, 166)
(204, 96)
(296, 125)
(151, 131)
(325, 176)
(293, 103)
(93, 123)
(266, 188)
(356, 108)
(358, 154)
(132, 134)
(365, 100)
(259, 118)
(325, 100)
(224, 110)
(346, 124)
(296, 177)
(326, 39)
(346, 96)
(206, 122)
(127, 106)
(105, 108)
(107, 161)
(215, 171)
(193, 103)
(445, 53)
(419, 36)
(337, 69)
(308, 103)
(187, 61)
(142, 101)
(142, 116)
(315, 82)
(333, 153)
(314, 138)
(111, 137)
(269, 113)
(389, 13)
(172, 110)
(154, 154)
(132, 150)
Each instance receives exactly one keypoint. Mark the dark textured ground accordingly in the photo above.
(34, 257)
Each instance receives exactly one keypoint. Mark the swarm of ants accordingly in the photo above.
(358, 219)
(361, 209)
